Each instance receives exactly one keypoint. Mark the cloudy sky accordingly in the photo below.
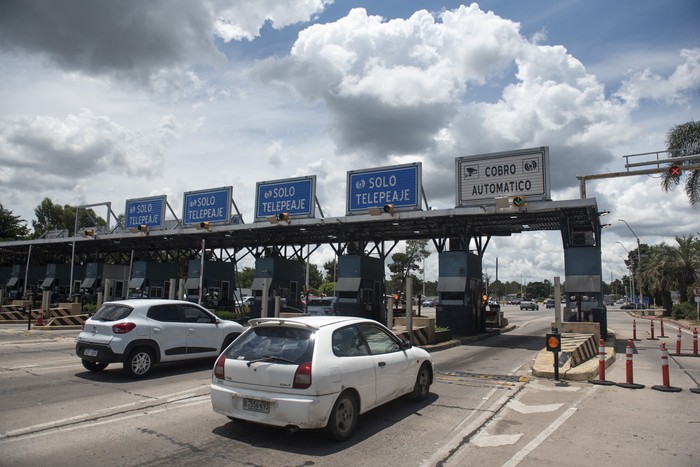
(108, 100)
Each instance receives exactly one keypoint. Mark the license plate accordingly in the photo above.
(254, 405)
(91, 352)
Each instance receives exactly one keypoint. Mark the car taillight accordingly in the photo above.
(302, 377)
(123, 328)
(219, 367)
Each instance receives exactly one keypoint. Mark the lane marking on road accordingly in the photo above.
(539, 439)
(486, 440)
(563, 388)
(526, 409)
(109, 412)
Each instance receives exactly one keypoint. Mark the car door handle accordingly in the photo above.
(156, 330)
(382, 363)
(190, 331)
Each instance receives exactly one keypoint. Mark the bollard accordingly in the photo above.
(678, 341)
(666, 380)
(601, 366)
(651, 330)
(630, 384)
(40, 319)
(662, 328)
(695, 341)
(634, 330)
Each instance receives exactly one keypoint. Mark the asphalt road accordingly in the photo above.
(484, 409)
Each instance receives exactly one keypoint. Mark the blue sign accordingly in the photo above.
(399, 185)
(294, 196)
(145, 211)
(207, 206)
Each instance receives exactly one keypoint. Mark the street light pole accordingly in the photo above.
(631, 269)
(639, 262)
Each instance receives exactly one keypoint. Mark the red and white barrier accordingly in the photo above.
(662, 328)
(695, 341)
(630, 384)
(678, 341)
(634, 330)
(601, 366)
(666, 380)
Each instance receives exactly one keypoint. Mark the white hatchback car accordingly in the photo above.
(316, 372)
(139, 333)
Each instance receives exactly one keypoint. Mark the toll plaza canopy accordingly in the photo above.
(440, 225)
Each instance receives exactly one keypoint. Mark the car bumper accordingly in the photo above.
(302, 411)
(104, 353)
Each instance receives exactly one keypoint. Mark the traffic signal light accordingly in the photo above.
(389, 209)
(283, 216)
(554, 342)
(143, 228)
(88, 233)
(204, 225)
(518, 201)
(674, 171)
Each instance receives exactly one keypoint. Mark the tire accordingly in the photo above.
(139, 363)
(94, 366)
(343, 419)
(422, 386)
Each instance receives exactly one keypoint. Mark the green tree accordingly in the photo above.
(331, 268)
(12, 227)
(407, 262)
(50, 216)
(684, 140)
(245, 277)
(315, 277)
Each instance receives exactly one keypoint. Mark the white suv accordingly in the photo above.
(139, 333)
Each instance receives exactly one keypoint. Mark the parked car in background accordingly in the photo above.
(140, 332)
(322, 306)
(549, 303)
(316, 372)
(514, 301)
(529, 304)
(428, 302)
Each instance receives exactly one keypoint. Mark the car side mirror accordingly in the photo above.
(406, 344)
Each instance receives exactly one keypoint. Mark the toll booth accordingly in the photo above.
(109, 280)
(360, 286)
(285, 278)
(459, 293)
(583, 269)
(217, 282)
(14, 286)
(151, 280)
(57, 280)
(5, 272)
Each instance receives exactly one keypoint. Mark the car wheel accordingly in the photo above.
(94, 366)
(343, 417)
(139, 363)
(422, 387)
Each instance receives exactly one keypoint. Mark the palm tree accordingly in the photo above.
(684, 140)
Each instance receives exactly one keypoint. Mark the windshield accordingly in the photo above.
(111, 312)
(280, 344)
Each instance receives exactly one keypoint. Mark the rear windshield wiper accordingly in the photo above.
(270, 358)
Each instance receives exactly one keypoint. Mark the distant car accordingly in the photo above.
(514, 301)
(629, 306)
(621, 301)
(549, 303)
(322, 306)
(529, 304)
(247, 301)
(142, 332)
(429, 302)
(316, 372)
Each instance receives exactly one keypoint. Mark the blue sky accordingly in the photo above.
(108, 101)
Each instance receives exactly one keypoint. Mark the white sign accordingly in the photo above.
(483, 178)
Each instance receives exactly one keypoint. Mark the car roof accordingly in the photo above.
(311, 321)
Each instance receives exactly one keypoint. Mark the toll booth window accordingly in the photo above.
(452, 296)
(378, 340)
(164, 313)
(195, 315)
(348, 342)
(350, 295)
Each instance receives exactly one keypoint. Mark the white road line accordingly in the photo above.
(539, 439)
(523, 408)
(485, 440)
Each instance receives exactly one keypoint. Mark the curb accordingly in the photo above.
(462, 340)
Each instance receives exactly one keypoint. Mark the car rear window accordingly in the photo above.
(289, 344)
(109, 312)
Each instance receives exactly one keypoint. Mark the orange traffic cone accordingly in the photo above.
(40, 319)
